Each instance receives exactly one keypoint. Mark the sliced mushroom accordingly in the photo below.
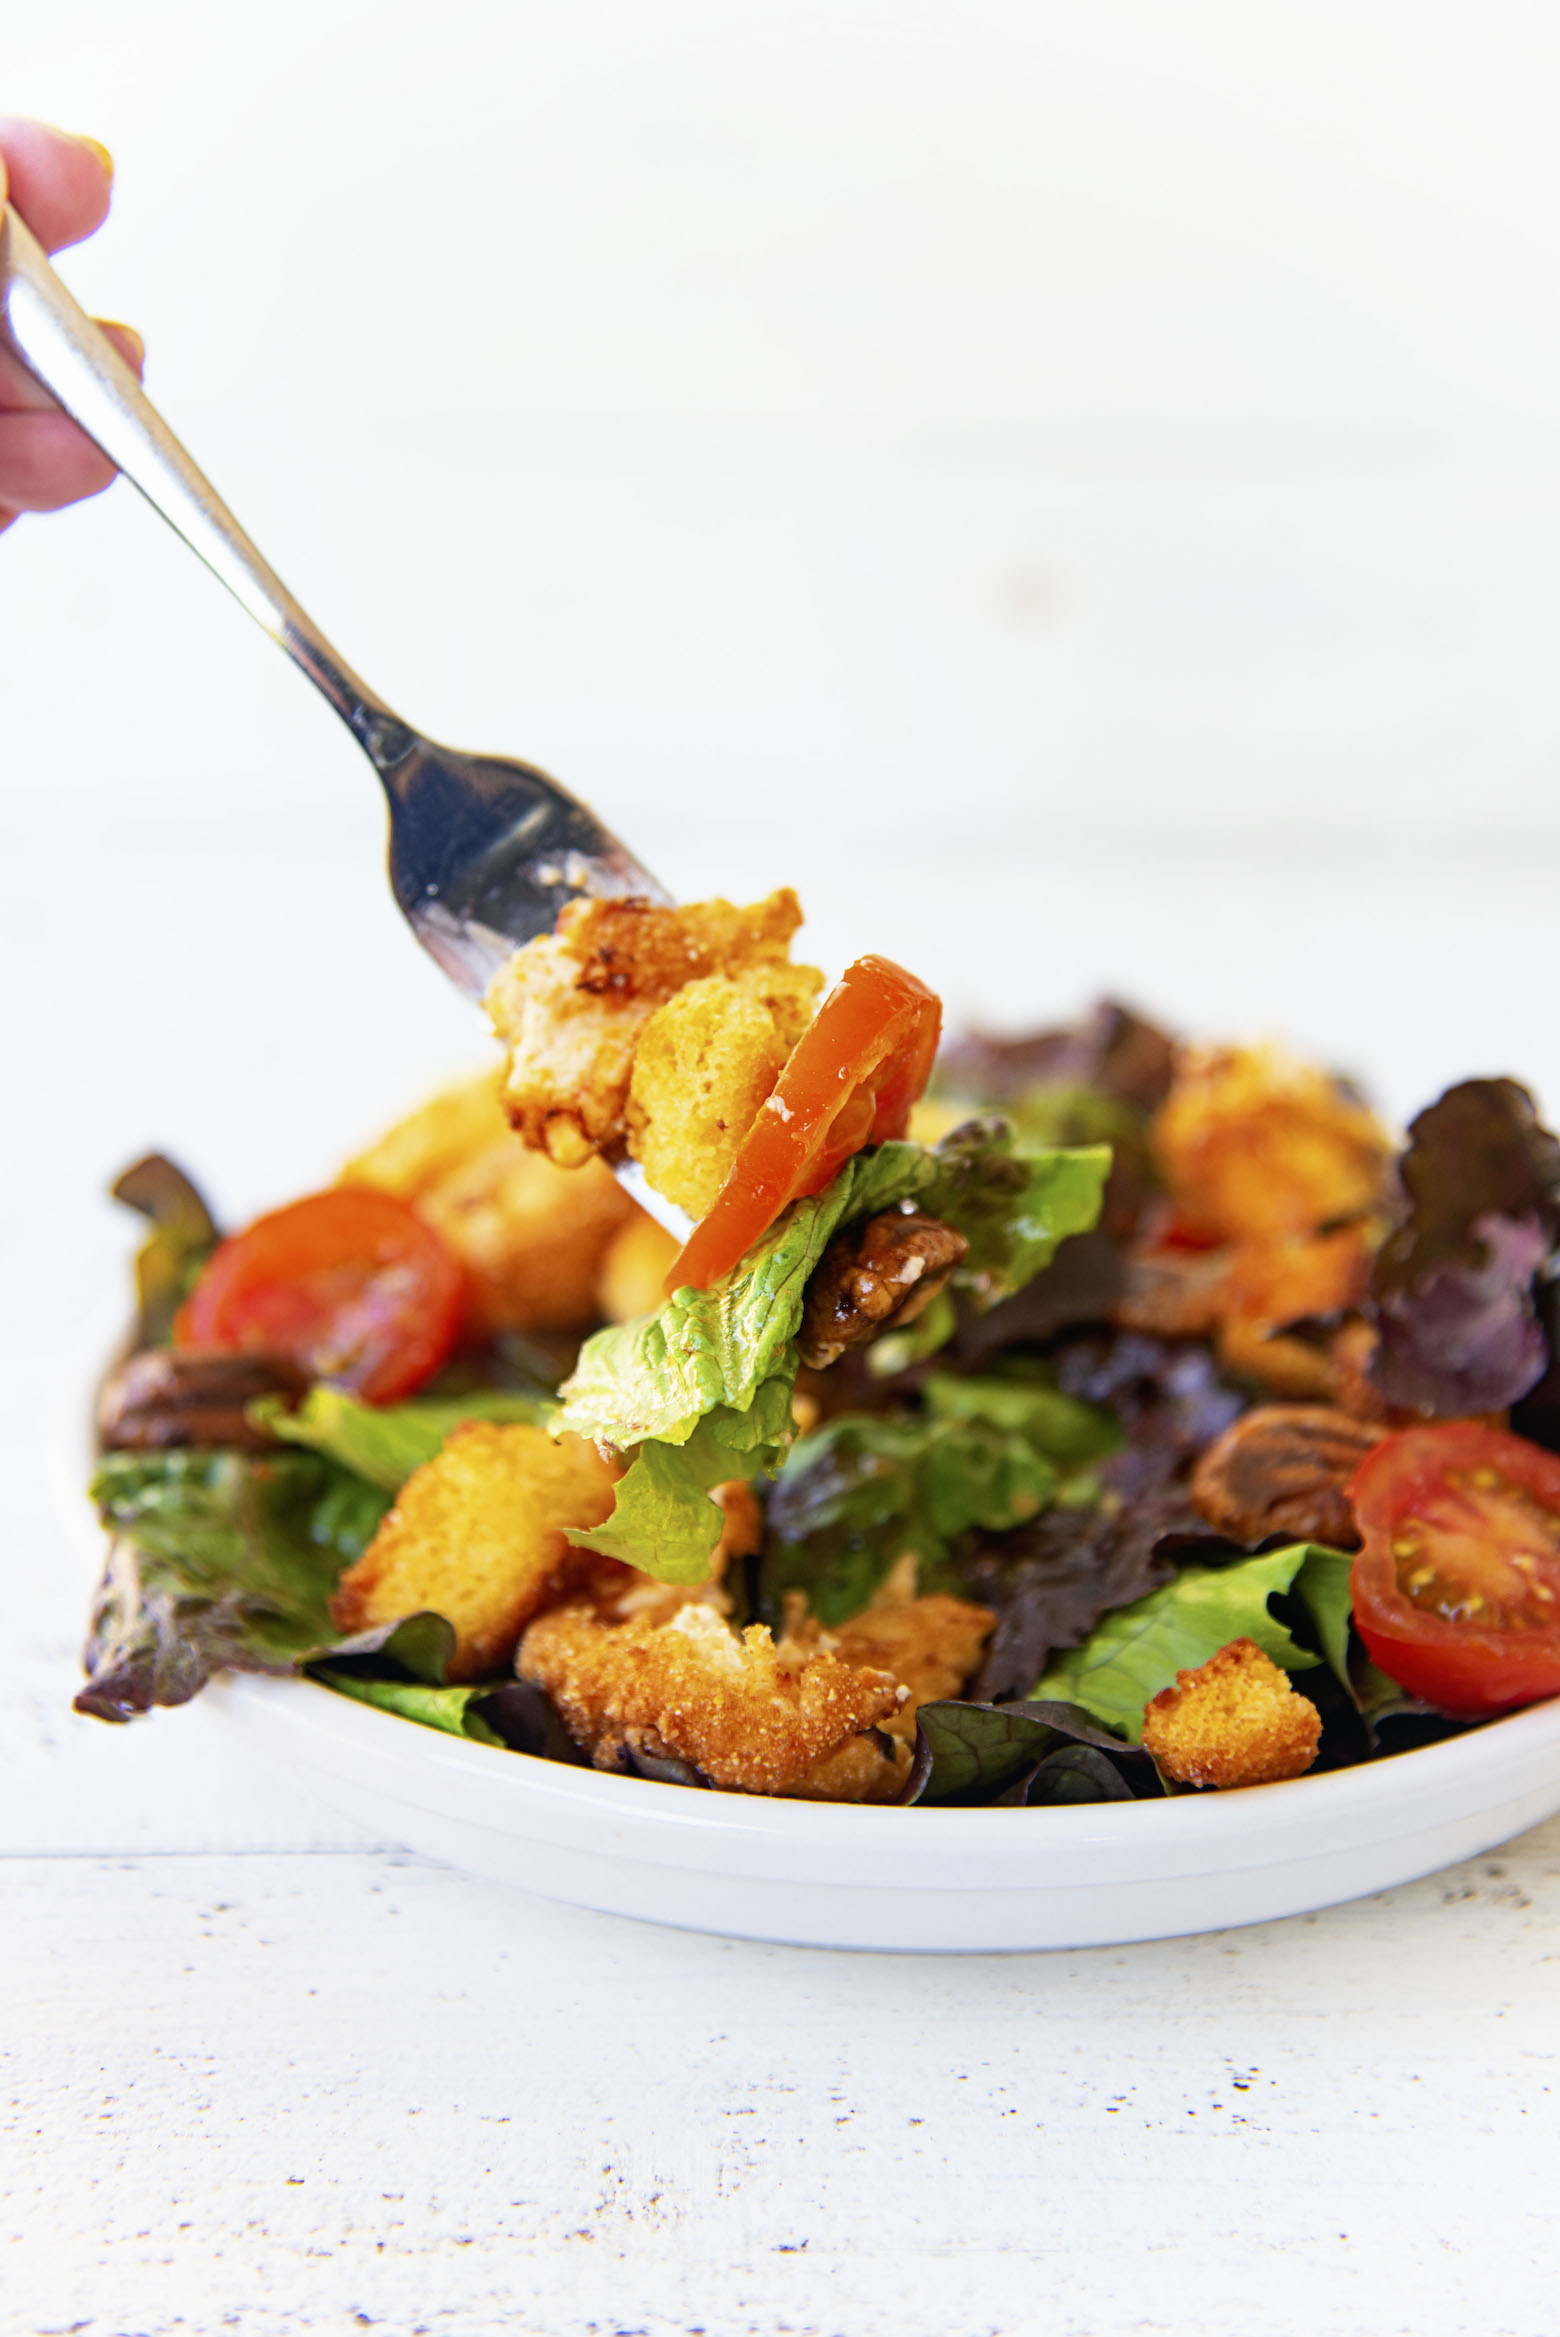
(159, 1398)
(1282, 1469)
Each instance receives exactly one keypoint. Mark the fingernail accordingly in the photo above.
(112, 324)
(97, 147)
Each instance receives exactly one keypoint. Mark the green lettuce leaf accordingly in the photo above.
(220, 1560)
(663, 1520)
(458, 1711)
(1013, 1209)
(385, 1444)
(867, 1489)
(1135, 1651)
(1064, 1428)
(1323, 1587)
(732, 1349)
(511, 1714)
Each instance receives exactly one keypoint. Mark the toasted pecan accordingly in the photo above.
(887, 1269)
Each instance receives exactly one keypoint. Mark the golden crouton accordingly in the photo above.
(480, 1535)
(703, 1065)
(570, 1006)
(751, 1716)
(533, 1238)
(1235, 1720)
(632, 1272)
(1251, 1142)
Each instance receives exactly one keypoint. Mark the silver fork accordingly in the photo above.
(483, 851)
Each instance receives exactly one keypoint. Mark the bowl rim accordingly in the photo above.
(1429, 1774)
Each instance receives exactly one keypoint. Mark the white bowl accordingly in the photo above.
(824, 1875)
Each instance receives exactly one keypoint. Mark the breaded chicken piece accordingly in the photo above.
(1235, 1720)
(570, 1006)
(533, 1238)
(930, 1646)
(873, 1767)
(704, 1063)
(1251, 1142)
(751, 1716)
(480, 1534)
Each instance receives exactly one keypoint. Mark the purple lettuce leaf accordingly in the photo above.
(1452, 1287)
(1466, 1337)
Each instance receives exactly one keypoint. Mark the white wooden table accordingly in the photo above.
(1255, 720)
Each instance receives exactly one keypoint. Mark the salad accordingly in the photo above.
(1086, 1415)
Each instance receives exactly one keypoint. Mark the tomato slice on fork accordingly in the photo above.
(849, 1081)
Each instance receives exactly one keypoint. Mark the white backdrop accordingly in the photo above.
(1071, 485)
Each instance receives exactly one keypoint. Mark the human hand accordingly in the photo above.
(61, 187)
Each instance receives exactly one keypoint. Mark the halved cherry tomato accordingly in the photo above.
(351, 1284)
(1457, 1588)
(849, 1081)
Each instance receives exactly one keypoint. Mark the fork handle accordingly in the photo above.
(77, 363)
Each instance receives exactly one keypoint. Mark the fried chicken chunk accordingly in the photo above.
(929, 1645)
(1251, 1142)
(480, 1534)
(749, 1715)
(1282, 1469)
(533, 1238)
(570, 1006)
(887, 1269)
(1235, 1720)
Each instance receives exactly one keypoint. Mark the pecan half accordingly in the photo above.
(1281, 1469)
(885, 1270)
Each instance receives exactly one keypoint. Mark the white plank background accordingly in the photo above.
(1136, 429)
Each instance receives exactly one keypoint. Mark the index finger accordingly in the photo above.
(59, 183)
